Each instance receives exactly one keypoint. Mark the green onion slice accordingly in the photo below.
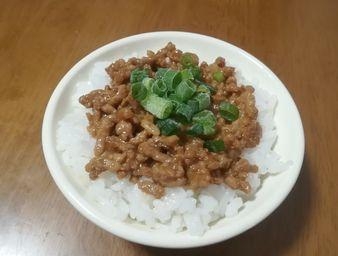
(203, 100)
(204, 86)
(218, 76)
(207, 119)
(187, 74)
(185, 90)
(228, 111)
(172, 78)
(214, 145)
(196, 72)
(159, 107)
(195, 130)
(159, 88)
(184, 112)
(188, 60)
(168, 126)
(173, 97)
(137, 75)
(194, 105)
(160, 72)
(191, 73)
(148, 83)
(209, 130)
(138, 91)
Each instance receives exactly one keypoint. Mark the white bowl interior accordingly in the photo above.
(290, 143)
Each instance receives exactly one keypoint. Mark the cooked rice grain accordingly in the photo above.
(179, 209)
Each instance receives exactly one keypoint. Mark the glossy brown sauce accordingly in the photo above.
(129, 143)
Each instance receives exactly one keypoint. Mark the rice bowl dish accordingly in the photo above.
(180, 209)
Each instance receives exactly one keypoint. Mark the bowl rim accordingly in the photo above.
(121, 229)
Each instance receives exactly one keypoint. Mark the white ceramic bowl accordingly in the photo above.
(274, 190)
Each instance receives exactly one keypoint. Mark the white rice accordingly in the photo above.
(179, 209)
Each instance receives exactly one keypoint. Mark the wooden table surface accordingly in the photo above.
(41, 40)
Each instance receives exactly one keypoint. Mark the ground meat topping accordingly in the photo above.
(130, 144)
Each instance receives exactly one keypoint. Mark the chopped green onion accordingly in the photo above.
(138, 91)
(207, 119)
(209, 130)
(228, 111)
(194, 105)
(202, 88)
(159, 107)
(185, 90)
(205, 86)
(196, 72)
(160, 72)
(175, 100)
(184, 112)
(205, 116)
(174, 94)
(174, 97)
(159, 88)
(168, 126)
(218, 76)
(187, 74)
(188, 60)
(148, 83)
(203, 100)
(137, 75)
(214, 145)
(172, 78)
(195, 130)
(191, 73)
